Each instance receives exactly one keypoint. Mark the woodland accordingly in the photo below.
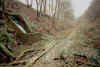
(46, 33)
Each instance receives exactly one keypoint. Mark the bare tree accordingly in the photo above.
(37, 4)
(41, 7)
(31, 3)
(52, 7)
(2, 6)
(56, 7)
(44, 4)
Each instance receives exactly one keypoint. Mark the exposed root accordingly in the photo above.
(24, 52)
(18, 62)
(34, 59)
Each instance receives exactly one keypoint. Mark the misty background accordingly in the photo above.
(79, 6)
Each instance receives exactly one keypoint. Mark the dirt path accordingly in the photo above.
(66, 46)
(57, 47)
(60, 46)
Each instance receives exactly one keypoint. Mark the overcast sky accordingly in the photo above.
(79, 6)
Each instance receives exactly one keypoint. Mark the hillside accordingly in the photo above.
(44, 23)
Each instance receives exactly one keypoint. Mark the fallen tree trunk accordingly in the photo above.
(25, 22)
(18, 27)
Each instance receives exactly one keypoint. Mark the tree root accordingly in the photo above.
(26, 51)
(23, 53)
(18, 62)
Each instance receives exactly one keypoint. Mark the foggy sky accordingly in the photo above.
(80, 6)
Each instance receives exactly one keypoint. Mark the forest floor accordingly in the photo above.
(57, 50)
(70, 50)
(75, 47)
